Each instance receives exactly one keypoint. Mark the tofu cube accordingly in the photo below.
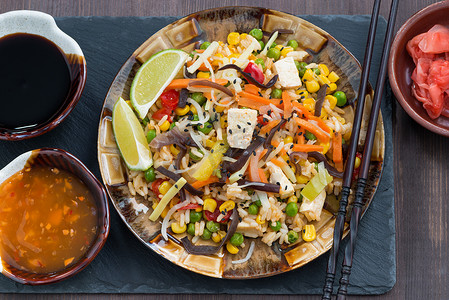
(241, 124)
(288, 73)
(278, 177)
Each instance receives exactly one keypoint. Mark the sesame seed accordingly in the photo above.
(260, 94)
(176, 186)
(249, 123)
(186, 130)
(286, 187)
(211, 150)
(282, 101)
(243, 130)
(239, 127)
(221, 144)
(278, 183)
(230, 131)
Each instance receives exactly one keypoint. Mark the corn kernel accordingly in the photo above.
(286, 50)
(333, 77)
(279, 47)
(165, 212)
(323, 69)
(203, 75)
(223, 121)
(309, 75)
(288, 139)
(302, 179)
(357, 162)
(165, 126)
(216, 62)
(243, 36)
(176, 228)
(209, 143)
(308, 233)
(164, 187)
(173, 149)
(233, 38)
(326, 147)
(302, 93)
(323, 79)
(309, 104)
(341, 120)
(216, 237)
(293, 199)
(199, 209)
(259, 221)
(219, 109)
(332, 101)
(210, 205)
(332, 88)
(312, 86)
(231, 248)
(227, 206)
(193, 109)
(182, 111)
(323, 114)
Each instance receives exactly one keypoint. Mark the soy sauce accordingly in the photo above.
(35, 80)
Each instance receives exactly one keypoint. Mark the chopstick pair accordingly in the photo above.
(366, 158)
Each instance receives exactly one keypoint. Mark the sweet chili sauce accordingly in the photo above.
(48, 219)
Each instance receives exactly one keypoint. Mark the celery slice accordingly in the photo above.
(314, 187)
(167, 197)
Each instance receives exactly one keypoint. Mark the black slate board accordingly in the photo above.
(127, 266)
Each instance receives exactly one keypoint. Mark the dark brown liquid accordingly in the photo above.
(34, 80)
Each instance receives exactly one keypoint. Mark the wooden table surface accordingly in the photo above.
(420, 162)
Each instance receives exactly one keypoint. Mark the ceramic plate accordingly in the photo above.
(187, 33)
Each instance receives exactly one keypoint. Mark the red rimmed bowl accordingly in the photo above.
(43, 25)
(63, 161)
(401, 65)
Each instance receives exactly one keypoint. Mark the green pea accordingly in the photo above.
(256, 33)
(193, 156)
(274, 53)
(292, 236)
(301, 68)
(292, 209)
(310, 136)
(276, 93)
(277, 225)
(191, 229)
(195, 216)
(206, 128)
(258, 203)
(253, 209)
(293, 43)
(260, 61)
(149, 174)
(237, 239)
(195, 118)
(316, 71)
(206, 234)
(341, 98)
(172, 125)
(273, 45)
(198, 97)
(204, 45)
(262, 45)
(212, 226)
(151, 135)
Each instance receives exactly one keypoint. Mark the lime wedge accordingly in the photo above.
(153, 77)
(130, 137)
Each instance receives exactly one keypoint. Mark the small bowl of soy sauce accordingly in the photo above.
(42, 74)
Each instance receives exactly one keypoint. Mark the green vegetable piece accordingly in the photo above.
(277, 225)
(293, 43)
(301, 68)
(250, 192)
(198, 97)
(292, 209)
(253, 209)
(293, 236)
(212, 226)
(274, 53)
(316, 71)
(273, 45)
(258, 203)
(151, 135)
(145, 121)
(195, 216)
(261, 62)
(310, 136)
(191, 229)
(256, 33)
(318, 182)
(150, 175)
(206, 234)
(195, 118)
(206, 128)
(237, 239)
(205, 45)
(193, 156)
(341, 98)
(276, 93)
(262, 45)
(172, 125)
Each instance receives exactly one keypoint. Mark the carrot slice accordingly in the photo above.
(307, 148)
(287, 101)
(301, 138)
(252, 89)
(278, 163)
(321, 123)
(269, 126)
(199, 184)
(201, 68)
(318, 132)
(263, 177)
(337, 155)
(183, 83)
(262, 100)
(302, 109)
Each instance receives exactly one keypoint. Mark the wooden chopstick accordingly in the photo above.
(366, 158)
(347, 177)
